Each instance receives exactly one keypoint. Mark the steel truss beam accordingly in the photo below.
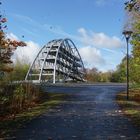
(58, 61)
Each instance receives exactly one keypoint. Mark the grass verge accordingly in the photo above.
(131, 107)
(11, 124)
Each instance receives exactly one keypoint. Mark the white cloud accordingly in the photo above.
(12, 36)
(99, 39)
(27, 53)
(91, 56)
(100, 2)
(24, 18)
(89, 38)
(107, 2)
(96, 48)
(95, 44)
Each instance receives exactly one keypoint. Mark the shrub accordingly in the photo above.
(17, 97)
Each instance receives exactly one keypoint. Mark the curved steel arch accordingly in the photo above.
(58, 61)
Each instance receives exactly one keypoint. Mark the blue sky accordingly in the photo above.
(95, 26)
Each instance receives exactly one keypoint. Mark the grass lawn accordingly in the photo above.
(11, 124)
(131, 107)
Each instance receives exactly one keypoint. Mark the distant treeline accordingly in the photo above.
(118, 75)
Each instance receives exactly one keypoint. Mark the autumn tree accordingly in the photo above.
(92, 75)
(7, 48)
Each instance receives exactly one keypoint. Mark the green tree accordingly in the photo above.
(19, 72)
(119, 75)
(133, 8)
(105, 76)
(135, 64)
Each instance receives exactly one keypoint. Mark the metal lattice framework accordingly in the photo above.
(58, 61)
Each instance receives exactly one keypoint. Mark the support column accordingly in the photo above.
(54, 73)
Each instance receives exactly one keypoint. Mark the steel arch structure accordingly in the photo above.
(58, 61)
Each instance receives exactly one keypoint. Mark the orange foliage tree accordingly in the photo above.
(7, 48)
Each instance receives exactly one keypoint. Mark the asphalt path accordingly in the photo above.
(90, 112)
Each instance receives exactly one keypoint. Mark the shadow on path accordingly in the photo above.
(89, 113)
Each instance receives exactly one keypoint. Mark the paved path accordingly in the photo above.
(90, 113)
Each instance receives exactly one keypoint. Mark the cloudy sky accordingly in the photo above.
(95, 26)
